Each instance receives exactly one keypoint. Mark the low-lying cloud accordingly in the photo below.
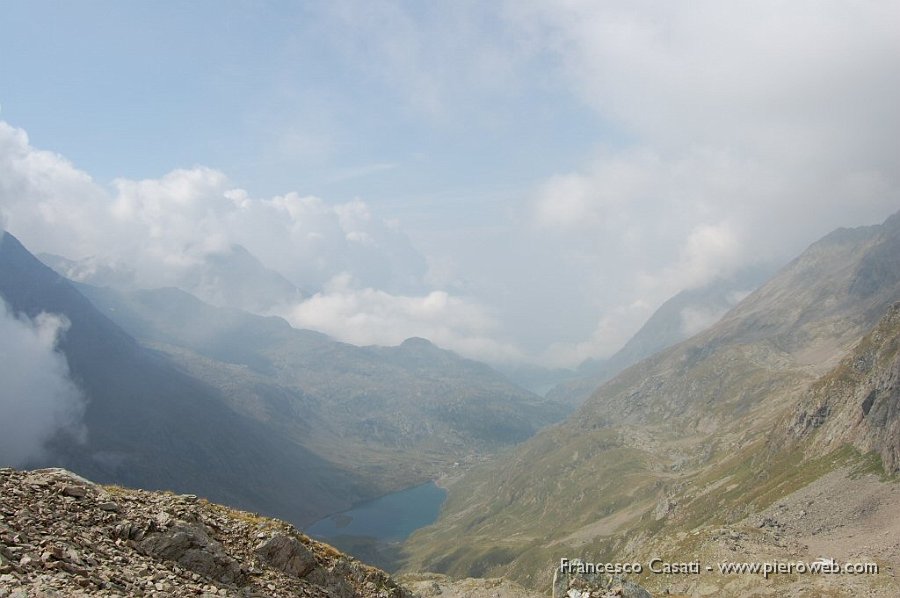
(367, 316)
(37, 397)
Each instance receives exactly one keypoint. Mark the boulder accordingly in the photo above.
(287, 554)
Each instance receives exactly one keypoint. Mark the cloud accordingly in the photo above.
(725, 74)
(152, 232)
(605, 339)
(365, 316)
(161, 228)
(747, 131)
(37, 397)
(439, 62)
(697, 319)
(726, 134)
(731, 134)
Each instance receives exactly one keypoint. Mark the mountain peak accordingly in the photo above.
(417, 342)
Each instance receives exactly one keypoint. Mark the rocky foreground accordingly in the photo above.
(62, 535)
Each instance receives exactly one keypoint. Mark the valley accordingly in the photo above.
(392, 299)
(743, 443)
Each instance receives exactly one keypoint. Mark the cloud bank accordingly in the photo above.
(370, 316)
(365, 280)
(162, 227)
(747, 131)
(37, 397)
(729, 134)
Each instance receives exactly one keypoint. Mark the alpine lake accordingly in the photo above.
(374, 530)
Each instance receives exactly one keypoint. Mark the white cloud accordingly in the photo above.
(150, 232)
(695, 320)
(752, 129)
(37, 397)
(727, 73)
(364, 316)
(605, 339)
(162, 227)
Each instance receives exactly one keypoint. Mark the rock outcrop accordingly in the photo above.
(858, 402)
(62, 535)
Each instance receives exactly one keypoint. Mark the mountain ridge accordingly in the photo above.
(641, 458)
(151, 425)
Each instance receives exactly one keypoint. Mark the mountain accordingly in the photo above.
(687, 313)
(683, 456)
(236, 278)
(150, 424)
(232, 277)
(395, 416)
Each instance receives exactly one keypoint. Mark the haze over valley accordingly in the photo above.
(462, 289)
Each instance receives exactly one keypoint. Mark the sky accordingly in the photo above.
(521, 182)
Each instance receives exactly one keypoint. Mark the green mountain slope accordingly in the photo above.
(679, 441)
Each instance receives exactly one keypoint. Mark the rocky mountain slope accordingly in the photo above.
(858, 403)
(394, 416)
(61, 535)
(676, 456)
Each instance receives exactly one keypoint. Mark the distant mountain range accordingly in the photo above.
(250, 411)
(713, 447)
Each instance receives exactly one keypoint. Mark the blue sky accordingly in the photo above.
(281, 96)
(540, 175)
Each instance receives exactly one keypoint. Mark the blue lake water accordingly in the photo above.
(387, 519)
